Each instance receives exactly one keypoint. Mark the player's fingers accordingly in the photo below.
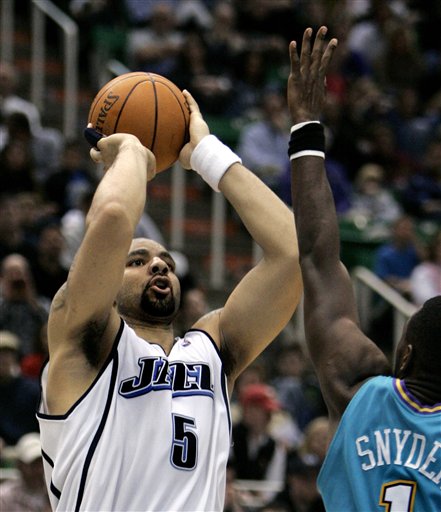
(192, 104)
(96, 155)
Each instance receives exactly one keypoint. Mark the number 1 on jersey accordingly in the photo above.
(398, 496)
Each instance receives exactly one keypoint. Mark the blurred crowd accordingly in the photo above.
(383, 126)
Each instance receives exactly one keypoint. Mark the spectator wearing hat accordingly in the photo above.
(27, 493)
(19, 395)
(257, 453)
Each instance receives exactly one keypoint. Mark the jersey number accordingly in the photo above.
(398, 496)
(185, 443)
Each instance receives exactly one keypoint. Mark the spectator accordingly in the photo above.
(232, 496)
(73, 226)
(196, 71)
(194, 305)
(31, 364)
(46, 145)
(292, 388)
(369, 34)
(250, 78)
(340, 185)
(316, 438)
(300, 493)
(425, 280)
(257, 454)
(22, 311)
(47, 265)
(19, 395)
(371, 200)
(400, 64)
(154, 48)
(11, 102)
(13, 237)
(27, 493)
(68, 183)
(224, 42)
(422, 195)
(395, 260)
(262, 144)
(17, 169)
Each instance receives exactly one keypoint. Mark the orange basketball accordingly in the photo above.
(146, 105)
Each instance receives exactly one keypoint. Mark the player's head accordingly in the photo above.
(150, 291)
(419, 351)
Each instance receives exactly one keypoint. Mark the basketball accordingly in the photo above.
(146, 105)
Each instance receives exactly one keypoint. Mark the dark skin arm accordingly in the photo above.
(342, 355)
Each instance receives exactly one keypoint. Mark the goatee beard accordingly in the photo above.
(159, 308)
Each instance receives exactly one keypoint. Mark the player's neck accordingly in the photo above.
(160, 334)
(427, 392)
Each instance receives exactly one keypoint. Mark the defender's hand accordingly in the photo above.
(307, 79)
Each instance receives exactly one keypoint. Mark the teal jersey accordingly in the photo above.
(386, 453)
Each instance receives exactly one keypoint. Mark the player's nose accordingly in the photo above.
(158, 266)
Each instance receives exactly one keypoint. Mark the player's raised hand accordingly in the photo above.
(307, 79)
(198, 130)
(108, 148)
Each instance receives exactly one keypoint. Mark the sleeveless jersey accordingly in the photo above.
(386, 453)
(152, 433)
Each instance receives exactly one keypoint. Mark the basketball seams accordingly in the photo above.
(103, 92)
(178, 102)
(121, 107)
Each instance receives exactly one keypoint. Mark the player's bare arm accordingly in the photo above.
(342, 355)
(264, 301)
(82, 322)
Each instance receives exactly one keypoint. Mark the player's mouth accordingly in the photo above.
(160, 285)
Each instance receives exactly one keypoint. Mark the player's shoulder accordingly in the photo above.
(210, 324)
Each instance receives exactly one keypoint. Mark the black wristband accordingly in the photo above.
(310, 138)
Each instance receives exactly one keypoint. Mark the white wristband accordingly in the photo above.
(307, 152)
(212, 159)
(301, 125)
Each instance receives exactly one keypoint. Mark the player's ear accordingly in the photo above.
(406, 359)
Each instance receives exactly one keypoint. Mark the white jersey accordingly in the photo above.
(152, 433)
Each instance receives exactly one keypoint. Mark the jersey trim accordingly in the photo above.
(83, 396)
(99, 431)
(406, 397)
(223, 376)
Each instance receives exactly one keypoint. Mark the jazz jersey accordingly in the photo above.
(386, 453)
(152, 433)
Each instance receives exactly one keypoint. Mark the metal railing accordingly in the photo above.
(7, 31)
(41, 10)
(366, 286)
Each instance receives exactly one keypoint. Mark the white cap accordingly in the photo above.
(28, 448)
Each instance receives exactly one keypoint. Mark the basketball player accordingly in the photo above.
(386, 448)
(132, 418)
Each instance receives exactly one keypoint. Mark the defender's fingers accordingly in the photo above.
(318, 48)
(305, 54)
(327, 56)
(294, 58)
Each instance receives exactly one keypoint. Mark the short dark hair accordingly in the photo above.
(424, 334)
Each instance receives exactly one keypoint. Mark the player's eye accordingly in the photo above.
(135, 263)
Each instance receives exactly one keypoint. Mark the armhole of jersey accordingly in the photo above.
(223, 375)
(109, 359)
